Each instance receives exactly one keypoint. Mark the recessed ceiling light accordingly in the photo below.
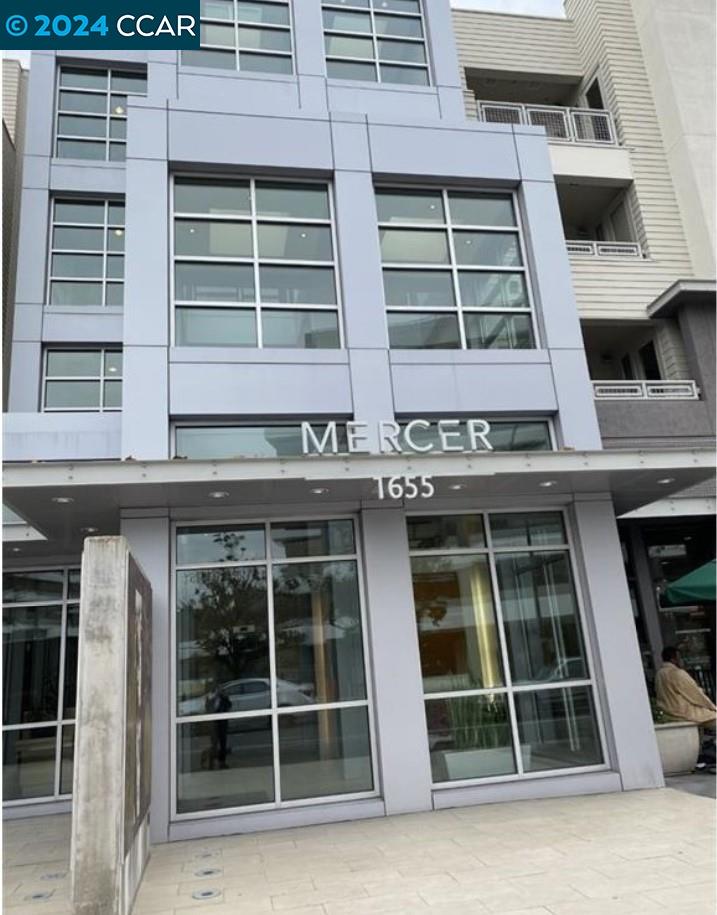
(89, 530)
(319, 491)
(218, 494)
(546, 484)
(16, 549)
(665, 481)
(456, 487)
(119, 109)
(63, 500)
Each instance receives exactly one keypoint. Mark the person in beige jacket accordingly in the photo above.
(679, 696)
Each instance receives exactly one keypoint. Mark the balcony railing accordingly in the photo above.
(604, 248)
(563, 125)
(646, 390)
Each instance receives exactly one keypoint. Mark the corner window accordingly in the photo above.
(376, 40)
(87, 253)
(82, 380)
(92, 112)
(254, 264)
(249, 35)
(272, 705)
(454, 270)
(40, 632)
(508, 689)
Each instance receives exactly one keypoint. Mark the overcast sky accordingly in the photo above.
(526, 7)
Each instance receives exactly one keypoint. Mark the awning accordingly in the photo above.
(99, 490)
(697, 587)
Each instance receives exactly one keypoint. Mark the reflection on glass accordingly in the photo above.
(529, 529)
(29, 763)
(219, 543)
(298, 539)
(402, 27)
(317, 621)
(413, 76)
(435, 532)
(487, 331)
(324, 753)
(80, 149)
(469, 737)
(297, 285)
(410, 206)
(214, 282)
(221, 60)
(455, 618)
(225, 198)
(480, 289)
(540, 617)
(77, 265)
(215, 327)
(70, 395)
(481, 209)
(419, 289)
(294, 242)
(345, 69)
(517, 436)
(25, 587)
(71, 642)
(67, 759)
(222, 639)
(423, 331)
(294, 201)
(349, 46)
(31, 662)
(487, 249)
(410, 52)
(213, 239)
(558, 729)
(264, 63)
(247, 441)
(271, 13)
(300, 328)
(414, 246)
(224, 763)
(89, 294)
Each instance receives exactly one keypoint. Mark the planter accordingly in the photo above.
(466, 764)
(679, 746)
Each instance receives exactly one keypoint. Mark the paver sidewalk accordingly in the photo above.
(641, 852)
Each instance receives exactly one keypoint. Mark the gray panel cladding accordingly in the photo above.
(353, 135)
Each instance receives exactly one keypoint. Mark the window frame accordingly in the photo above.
(106, 226)
(274, 712)
(107, 116)
(375, 37)
(454, 268)
(254, 220)
(508, 689)
(60, 722)
(237, 50)
(102, 378)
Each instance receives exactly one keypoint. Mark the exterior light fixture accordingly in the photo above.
(62, 500)
(456, 487)
(218, 494)
(319, 491)
(89, 530)
(665, 481)
(546, 484)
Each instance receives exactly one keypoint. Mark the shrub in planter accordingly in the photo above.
(678, 742)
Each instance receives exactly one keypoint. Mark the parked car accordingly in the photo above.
(249, 694)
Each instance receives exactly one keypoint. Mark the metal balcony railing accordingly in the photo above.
(646, 390)
(563, 125)
(604, 248)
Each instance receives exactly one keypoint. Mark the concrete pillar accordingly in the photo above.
(622, 684)
(148, 537)
(112, 770)
(398, 696)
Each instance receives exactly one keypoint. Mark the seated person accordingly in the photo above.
(679, 696)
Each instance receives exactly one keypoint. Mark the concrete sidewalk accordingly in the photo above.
(648, 851)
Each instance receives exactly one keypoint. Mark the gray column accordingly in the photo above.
(148, 538)
(398, 695)
(646, 592)
(622, 684)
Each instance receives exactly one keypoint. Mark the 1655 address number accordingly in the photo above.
(405, 487)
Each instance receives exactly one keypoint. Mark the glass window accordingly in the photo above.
(388, 35)
(39, 629)
(499, 631)
(242, 28)
(483, 279)
(218, 225)
(81, 272)
(246, 441)
(82, 380)
(269, 640)
(502, 435)
(86, 108)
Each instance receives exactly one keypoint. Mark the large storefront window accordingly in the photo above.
(40, 630)
(505, 671)
(271, 695)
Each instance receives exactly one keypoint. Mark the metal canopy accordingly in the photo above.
(100, 490)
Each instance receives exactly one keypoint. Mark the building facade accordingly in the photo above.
(306, 335)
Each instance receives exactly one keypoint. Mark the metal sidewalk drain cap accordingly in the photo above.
(38, 897)
(206, 894)
(208, 872)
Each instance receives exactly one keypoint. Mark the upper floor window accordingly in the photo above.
(376, 40)
(454, 270)
(87, 253)
(241, 35)
(92, 112)
(82, 380)
(254, 264)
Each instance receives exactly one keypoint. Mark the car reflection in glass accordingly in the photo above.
(246, 695)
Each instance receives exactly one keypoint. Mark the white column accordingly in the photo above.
(398, 694)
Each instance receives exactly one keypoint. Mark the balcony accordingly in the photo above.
(562, 125)
(646, 390)
(604, 248)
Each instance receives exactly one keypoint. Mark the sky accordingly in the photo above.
(526, 7)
